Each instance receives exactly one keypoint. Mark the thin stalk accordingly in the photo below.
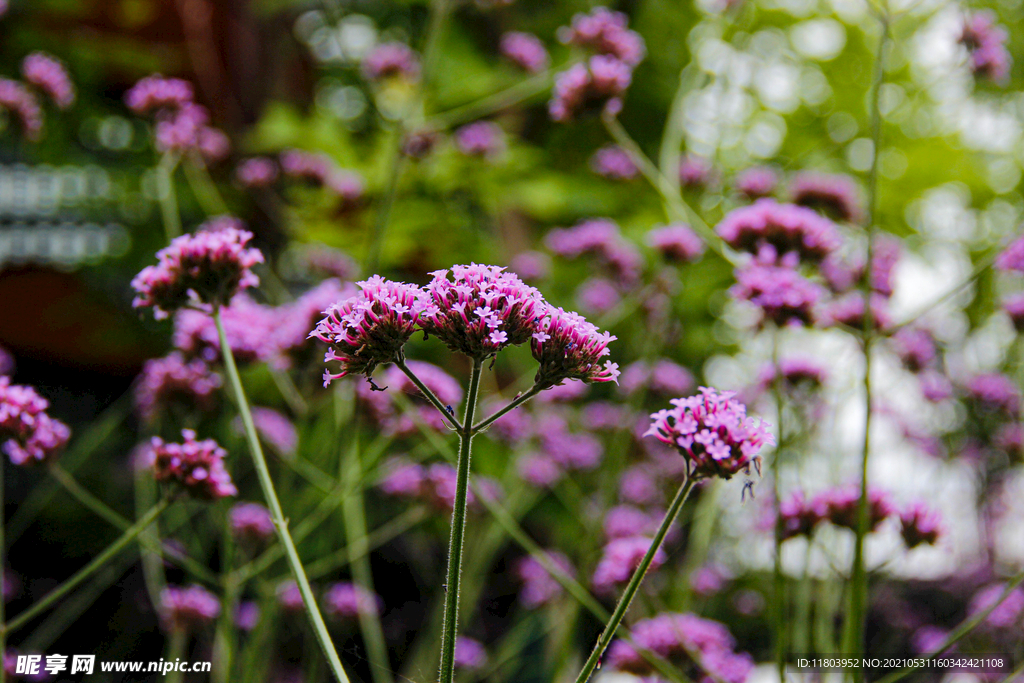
(449, 629)
(383, 217)
(88, 570)
(778, 580)
(277, 514)
(520, 92)
(374, 539)
(289, 392)
(428, 394)
(512, 405)
(634, 583)
(176, 651)
(167, 196)
(853, 639)
(439, 11)
(670, 154)
(204, 189)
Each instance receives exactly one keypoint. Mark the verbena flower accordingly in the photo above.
(601, 237)
(696, 172)
(51, 76)
(320, 170)
(1012, 257)
(1007, 614)
(597, 295)
(196, 466)
(539, 587)
(714, 434)
(784, 296)
(481, 310)
(920, 524)
(155, 92)
(274, 428)
(598, 415)
(569, 450)
(19, 100)
(172, 382)
(346, 600)
(677, 242)
(624, 521)
(915, 347)
(248, 326)
(935, 386)
(605, 32)
(849, 310)
(757, 182)
(389, 60)
(257, 172)
(289, 597)
(796, 373)
(620, 559)
(597, 85)
(638, 486)
(834, 194)
(1014, 307)
(469, 653)
(247, 615)
(994, 392)
(206, 268)
(800, 517)
(27, 433)
(531, 265)
(708, 579)
(785, 227)
(371, 327)
(289, 340)
(525, 50)
(539, 469)
(611, 161)
(569, 347)
(841, 506)
(188, 608)
(251, 522)
(985, 46)
(1010, 439)
(392, 418)
(664, 376)
(480, 139)
(928, 639)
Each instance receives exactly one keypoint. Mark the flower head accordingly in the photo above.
(1007, 613)
(49, 75)
(289, 597)
(696, 172)
(849, 310)
(569, 347)
(371, 327)
(611, 161)
(257, 172)
(784, 227)
(27, 433)
(677, 242)
(19, 100)
(841, 506)
(601, 237)
(834, 194)
(664, 376)
(757, 182)
(620, 559)
(155, 92)
(1012, 258)
(480, 139)
(994, 392)
(915, 347)
(197, 466)
(274, 428)
(784, 296)
(389, 60)
(595, 86)
(531, 265)
(251, 522)
(801, 516)
(712, 431)
(525, 50)
(188, 608)
(172, 381)
(289, 339)
(920, 524)
(985, 43)
(248, 327)
(469, 653)
(481, 310)
(539, 587)
(606, 33)
(347, 601)
(208, 268)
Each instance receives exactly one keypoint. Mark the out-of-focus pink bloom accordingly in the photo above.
(663, 377)
(347, 601)
(757, 182)
(569, 347)
(514, 427)
(441, 480)
(404, 479)
(598, 415)
(677, 242)
(539, 587)
(849, 310)
(19, 100)
(620, 559)
(155, 92)
(247, 615)
(598, 295)
(319, 169)
(540, 470)
(173, 382)
(708, 579)
(480, 139)
(526, 50)
(51, 76)
(7, 363)
(696, 172)
(393, 420)
(207, 268)
(1014, 307)
(370, 327)
(920, 524)
(469, 653)
(935, 386)
(796, 372)
(841, 506)
(800, 516)
(325, 260)
(915, 347)
(595, 86)
(248, 327)
(639, 486)
(994, 392)
(712, 431)
(602, 238)
(188, 608)
(420, 143)
(985, 43)
(784, 227)
(27, 433)
(251, 522)
(289, 597)
(531, 265)
(274, 428)
(834, 194)
(784, 296)
(1012, 258)
(566, 392)
(605, 32)
(623, 521)
(197, 466)
(289, 339)
(257, 172)
(389, 60)
(1007, 614)
(611, 161)
(1010, 438)
(928, 639)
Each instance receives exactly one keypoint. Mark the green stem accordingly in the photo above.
(499, 101)
(778, 580)
(88, 570)
(374, 539)
(449, 630)
(428, 394)
(204, 189)
(176, 651)
(277, 514)
(634, 583)
(439, 11)
(380, 226)
(289, 392)
(167, 196)
(94, 504)
(512, 405)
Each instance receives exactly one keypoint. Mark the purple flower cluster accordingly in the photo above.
(696, 172)
(784, 296)
(257, 172)
(597, 295)
(247, 326)
(291, 323)
(606, 33)
(525, 50)
(712, 431)
(1007, 614)
(433, 484)
(848, 310)
(800, 516)
(27, 433)
(370, 327)
(480, 139)
(275, 429)
(393, 420)
(188, 608)
(569, 347)
(1014, 307)
(602, 238)
(155, 92)
(531, 265)
(469, 654)
(915, 347)
(1012, 258)
(173, 381)
(784, 227)
(920, 524)
(705, 645)
(49, 75)
(251, 522)
(985, 43)
(662, 377)
(321, 170)
(623, 521)
(17, 99)
(597, 85)
(539, 587)
(208, 268)
(181, 124)
(834, 194)
(796, 373)
(677, 242)
(391, 60)
(611, 161)
(346, 600)
(995, 393)
(289, 597)
(197, 466)
(757, 182)
(620, 558)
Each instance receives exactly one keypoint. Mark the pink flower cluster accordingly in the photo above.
(712, 431)
(757, 182)
(248, 327)
(784, 296)
(985, 43)
(251, 522)
(49, 75)
(370, 327)
(606, 33)
(346, 600)
(995, 393)
(796, 373)
(662, 377)
(155, 92)
(569, 347)
(188, 608)
(597, 85)
(1007, 613)
(173, 382)
(469, 653)
(18, 99)
(915, 347)
(784, 227)
(611, 161)
(696, 172)
(920, 524)
(274, 428)
(600, 237)
(257, 172)
(181, 124)
(684, 638)
(433, 484)
(525, 50)
(843, 275)
(677, 242)
(208, 268)
(1012, 257)
(834, 194)
(800, 516)
(321, 170)
(539, 587)
(620, 558)
(27, 433)
(197, 466)
(389, 60)
(849, 310)
(390, 418)
(480, 139)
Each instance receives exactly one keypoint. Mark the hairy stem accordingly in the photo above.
(512, 405)
(277, 514)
